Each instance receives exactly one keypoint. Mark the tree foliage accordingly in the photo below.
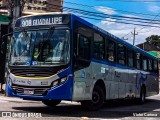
(155, 40)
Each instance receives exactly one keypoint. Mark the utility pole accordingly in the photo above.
(15, 9)
(134, 35)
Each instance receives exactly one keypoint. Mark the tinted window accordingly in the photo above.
(111, 51)
(138, 65)
(144, 63)
(130, 56)
(155, 66)
(98, 46)
(121, 54)
(84, 47)
(150, 67)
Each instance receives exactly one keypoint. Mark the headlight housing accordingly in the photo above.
(58, 82)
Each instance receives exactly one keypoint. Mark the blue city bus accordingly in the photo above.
(58, 57)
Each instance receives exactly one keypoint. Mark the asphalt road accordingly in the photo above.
(120, 109)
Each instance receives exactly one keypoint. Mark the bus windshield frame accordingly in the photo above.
(41, 47)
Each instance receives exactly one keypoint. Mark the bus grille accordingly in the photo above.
(38, 91)
(32, 72)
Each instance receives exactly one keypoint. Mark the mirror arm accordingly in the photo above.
(9, 34)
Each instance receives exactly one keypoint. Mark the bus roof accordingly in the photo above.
(112, 36)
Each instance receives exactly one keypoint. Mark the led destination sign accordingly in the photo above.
(42, 20)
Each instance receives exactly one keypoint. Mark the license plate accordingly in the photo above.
(29, 91)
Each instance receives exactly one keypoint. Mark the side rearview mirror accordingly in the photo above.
(4, 40)
(2, 47)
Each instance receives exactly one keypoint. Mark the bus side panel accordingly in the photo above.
(152, 83)
(132, 89)
(120, 77)
(82, 84)
(103, 71)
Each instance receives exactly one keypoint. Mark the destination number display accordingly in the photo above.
(42, 20)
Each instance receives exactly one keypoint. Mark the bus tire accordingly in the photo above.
(142, 97)
(51, 103)
(97, 101)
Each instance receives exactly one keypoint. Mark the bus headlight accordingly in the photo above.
(59, 82)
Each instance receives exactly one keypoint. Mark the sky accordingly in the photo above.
(141, 12)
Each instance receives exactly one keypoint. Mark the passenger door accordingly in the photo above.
(81, 63)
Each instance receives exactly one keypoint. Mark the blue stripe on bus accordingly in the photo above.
(121, 66)
(112, 64)
(65, 72)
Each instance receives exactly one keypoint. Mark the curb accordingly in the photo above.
(13, 99)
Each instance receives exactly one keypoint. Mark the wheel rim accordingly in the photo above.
(95, 98)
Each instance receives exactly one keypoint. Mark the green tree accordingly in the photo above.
(155, 40)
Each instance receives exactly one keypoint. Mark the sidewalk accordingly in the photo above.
(20, 100)
(14, 99)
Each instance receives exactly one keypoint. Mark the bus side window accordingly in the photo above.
(111, 51)
(98, 46)
(150, 68)
(84, 48)
(82, 52)
(137, 60)
(155, 66)
(130, 56)
(121, 56)
(144, 63)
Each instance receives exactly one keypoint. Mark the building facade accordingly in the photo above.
(152, 49)
(42, 6)
(37, 6)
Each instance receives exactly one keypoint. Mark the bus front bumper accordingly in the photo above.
(62, 92)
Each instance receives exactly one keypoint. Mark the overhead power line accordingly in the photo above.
(130, 0)
(101, 15)
(119, 11)
(94, 16)
(151, 22)
(107, 15)
(120, 22)
(145, 27)
(124, 11)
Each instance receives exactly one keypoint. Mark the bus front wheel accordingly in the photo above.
(97, 101)
(51, 103)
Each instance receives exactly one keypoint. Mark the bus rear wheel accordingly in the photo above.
(143, 95)
(97, 101)
(142, 98)
(51, 103)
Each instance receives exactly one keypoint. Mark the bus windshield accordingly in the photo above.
(41, 47)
